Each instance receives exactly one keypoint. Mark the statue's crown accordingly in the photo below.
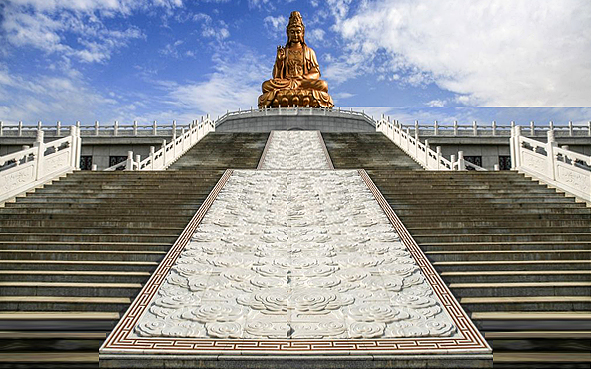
(295, 19)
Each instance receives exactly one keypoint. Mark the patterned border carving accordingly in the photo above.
(471, 341)
(264, 155)
(326, 154)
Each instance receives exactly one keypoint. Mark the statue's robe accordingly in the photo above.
(282, 80)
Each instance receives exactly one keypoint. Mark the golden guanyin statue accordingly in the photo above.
(296, 76)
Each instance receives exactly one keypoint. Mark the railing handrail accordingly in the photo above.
(557, 166)
(422, 152)
(32, 166)
(169, 151)
(294, 111)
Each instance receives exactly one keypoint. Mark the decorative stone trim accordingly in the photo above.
(326, 154)
(264, 155)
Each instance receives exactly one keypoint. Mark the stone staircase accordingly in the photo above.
(75, 253)
(516, 253)
(223, 151)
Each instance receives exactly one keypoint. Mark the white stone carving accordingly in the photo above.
(295, 254)
(295, 150)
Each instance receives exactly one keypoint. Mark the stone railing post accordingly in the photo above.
(73, 147)
(183, 139)
(115, 128)
(96, 128)
(58, 128)
(152, 150)
(532, 128)
(154, 128)
(40, 154)
(551, 156)
(570, 128)
(1, 128)
(427, 153)
(515, 147)
(138, 160)
(129, 162)
(20, 128)
(135, 127)
(94, 167)
(174, 127)
(589, 128)
(496, 167)
(163, 153)
(455, 127)
(78, 147)
(452, 158)
(551, 125)
(174, 144)
(417, 129)
(435, 128)
(474, 129)
(39, 126)
(461, 164)
(438, 148)
(494, 128)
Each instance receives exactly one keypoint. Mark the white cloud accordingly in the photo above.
(436, 103)
(275, 25)
(48, 25)
(211, 29)
(235, 83)
(489, 52)
(316, 36)
(66, 97)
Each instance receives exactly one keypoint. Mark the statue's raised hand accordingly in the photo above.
(280, 52)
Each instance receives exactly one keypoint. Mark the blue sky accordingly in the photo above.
(161, 60)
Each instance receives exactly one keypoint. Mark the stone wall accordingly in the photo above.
(295, 122)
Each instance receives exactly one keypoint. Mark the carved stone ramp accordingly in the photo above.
(295, 264)
(514, 252)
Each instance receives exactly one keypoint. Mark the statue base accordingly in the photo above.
(295, 97)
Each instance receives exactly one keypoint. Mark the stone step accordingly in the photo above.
(492, 228)
(75, 246)
(533, 320)
(89, 228)
(54, 320)
(93, 217)
(472, 212)
(49, 360)
(527, 303)
(504, 265)
(130, 206)
(69, 289)
(520, 201)
(47, 238)
(100, 276)
(509, 255)
(512, 289)
(100, 199)
(517, 276)
(570, 246)
(83, 265)
(499, 208)
(541, 360)
(420, 219)
(63, 303)
(50, 341)
(82, 255)
(548, 238)
(163, 212)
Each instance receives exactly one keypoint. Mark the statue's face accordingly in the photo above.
(295, 34)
